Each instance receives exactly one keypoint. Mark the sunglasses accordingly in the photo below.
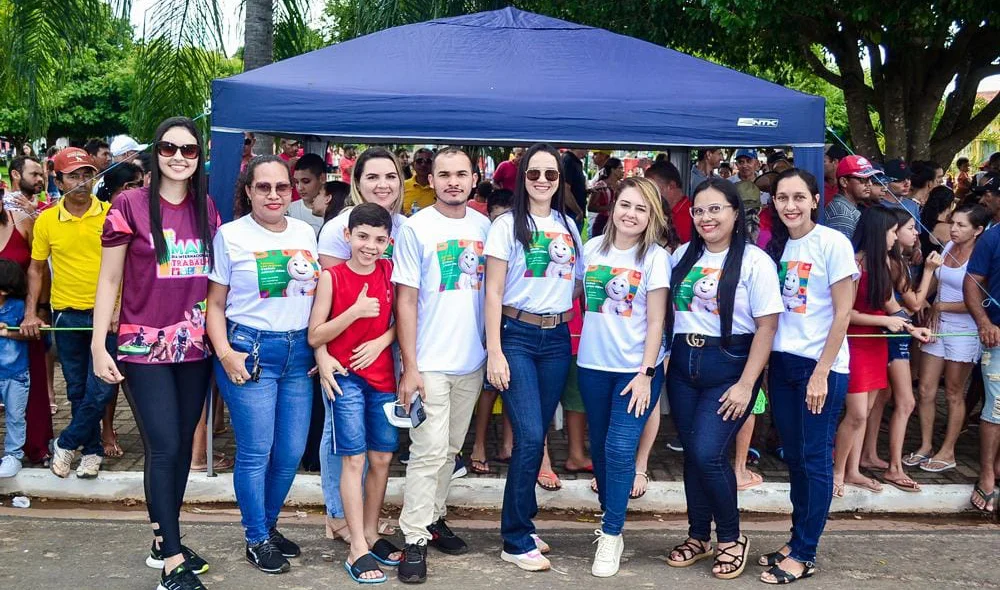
(534, 174)
(247, 141)
(263, 189)
(189, 151)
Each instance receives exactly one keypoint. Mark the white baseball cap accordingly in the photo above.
(122, 144)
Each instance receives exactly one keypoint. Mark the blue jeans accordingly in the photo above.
(330, 468)
(14, 395)
(539, 362)
(270, 420)
(807, 439)
(696, 379)
(359, 422)
(614, 437)
(88, 396)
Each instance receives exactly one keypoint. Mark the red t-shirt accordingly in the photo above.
(829, 192)
(346, 287)
(505, 176)
(346, 168)
(681, 213)
(479, 206)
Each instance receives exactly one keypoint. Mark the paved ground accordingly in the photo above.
(664, 465)
(96, 549)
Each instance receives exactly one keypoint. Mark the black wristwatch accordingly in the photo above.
(648, 371)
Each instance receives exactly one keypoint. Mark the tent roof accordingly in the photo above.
(514, 77)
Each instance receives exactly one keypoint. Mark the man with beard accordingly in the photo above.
(27, 178)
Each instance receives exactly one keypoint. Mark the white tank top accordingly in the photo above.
(950, 290)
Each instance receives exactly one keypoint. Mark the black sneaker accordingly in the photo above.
(181, 578)
(287, 548)
(267, 558)
(413, 565)
(192, 560)
(404, 457)
(460, 469)
(446, 541)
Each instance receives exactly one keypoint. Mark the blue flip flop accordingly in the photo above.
(366, 563)
(381, 551)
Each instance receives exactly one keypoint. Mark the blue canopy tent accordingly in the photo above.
(508, 77)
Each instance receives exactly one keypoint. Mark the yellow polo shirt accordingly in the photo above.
(74, 244)
(423, 196)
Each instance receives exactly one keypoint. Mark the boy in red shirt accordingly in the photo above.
(352, 319)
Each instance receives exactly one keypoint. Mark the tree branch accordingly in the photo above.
(944, 149)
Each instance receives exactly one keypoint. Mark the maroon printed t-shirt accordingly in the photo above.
(346, 287)
(162, 305)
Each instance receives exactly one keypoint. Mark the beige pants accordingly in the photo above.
(433, 445)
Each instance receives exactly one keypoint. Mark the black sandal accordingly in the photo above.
(784, 577)
(739, 562)
(364, 564)
(382, 551)
(695, 548)
(769, 559)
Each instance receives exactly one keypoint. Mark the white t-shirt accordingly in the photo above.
(696, 302)
(540, 281)
(271, 276)
(299, 210)
(443, 258)
(809, 266)
(614, 323)
(332, 242)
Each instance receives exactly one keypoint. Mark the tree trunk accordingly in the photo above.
(258, 39)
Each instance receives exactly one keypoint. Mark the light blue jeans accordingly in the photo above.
(270, 419)
(14, 394)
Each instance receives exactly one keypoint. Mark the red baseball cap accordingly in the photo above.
(70, 159)
(855, 166)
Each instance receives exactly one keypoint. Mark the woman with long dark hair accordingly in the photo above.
(807, 377)
(533, 270)
(874, 240)
(260, 296)
(724, 315)
(161, 285)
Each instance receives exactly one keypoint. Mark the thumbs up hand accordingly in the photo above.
(365, 306)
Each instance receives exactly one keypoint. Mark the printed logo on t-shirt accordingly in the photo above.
(388, 249)
(179, 342)
(462, 264)
(794, 278)
(699, 291)
(286, 273)
(187, 258)
(551, 254)
(611, 290)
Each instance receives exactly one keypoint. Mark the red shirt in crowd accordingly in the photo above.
(505, 176)
(681, 213)
(346, 287)
(829, 192)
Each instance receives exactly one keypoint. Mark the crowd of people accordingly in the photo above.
(414, 295)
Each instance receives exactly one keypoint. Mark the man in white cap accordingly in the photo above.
(124, 148)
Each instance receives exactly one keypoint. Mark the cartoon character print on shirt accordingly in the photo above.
(286, 273)
(462, 265)
(699, 291)
(611, 290)
(551, 255)
(793, 276)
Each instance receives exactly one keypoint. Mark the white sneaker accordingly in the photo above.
(62, 460)
(532, 561)
(90, 466)
(9, 466)
(540, 544)
(608, 557)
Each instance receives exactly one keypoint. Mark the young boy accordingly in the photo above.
(352, 319)
(13, 366)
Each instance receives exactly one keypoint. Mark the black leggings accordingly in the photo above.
(167, 401)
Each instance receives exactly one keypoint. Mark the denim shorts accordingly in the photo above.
(358, 420)
(899, 349)
(991, 381)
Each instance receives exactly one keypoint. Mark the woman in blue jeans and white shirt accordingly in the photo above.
(725, 311)
(533, 270)
(259, 299)
(807, 377)
(622, 350)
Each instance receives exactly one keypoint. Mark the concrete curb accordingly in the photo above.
(661, 497)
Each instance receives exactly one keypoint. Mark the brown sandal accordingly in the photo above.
(738, 561)
(696, 549)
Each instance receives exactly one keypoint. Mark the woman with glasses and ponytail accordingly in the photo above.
(160, 284)
(259, 298)
(533, 269)
(724, 315)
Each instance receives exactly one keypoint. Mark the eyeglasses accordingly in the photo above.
(712, 210)
(534, 174)
(421, 160)
(189, 151)
(263, 189)
(862, 180)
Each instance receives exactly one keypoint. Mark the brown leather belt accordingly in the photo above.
(546, 322)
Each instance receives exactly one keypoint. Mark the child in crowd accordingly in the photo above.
(352, 318)
(331, 199)
(13, 366)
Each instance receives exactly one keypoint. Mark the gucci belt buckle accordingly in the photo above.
(695, 340)
(549, 321)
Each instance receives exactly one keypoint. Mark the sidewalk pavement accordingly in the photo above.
(100, 550)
